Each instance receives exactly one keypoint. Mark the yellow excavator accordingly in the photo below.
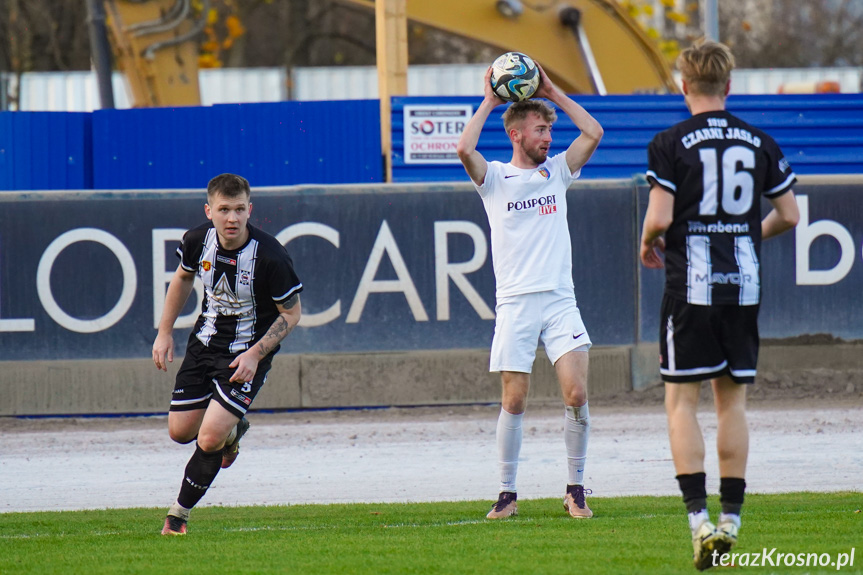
(586, 46)
(155, 44)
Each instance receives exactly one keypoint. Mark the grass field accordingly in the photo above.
(627, 535)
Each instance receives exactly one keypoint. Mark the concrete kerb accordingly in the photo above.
(116, 386)
(439, 377)
(131, 386)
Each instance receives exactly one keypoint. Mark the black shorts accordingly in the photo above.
(205, 375)
(698, 342)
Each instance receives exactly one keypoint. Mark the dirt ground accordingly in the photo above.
(805, 435)
(823, 386)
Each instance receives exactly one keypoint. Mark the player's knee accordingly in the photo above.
(181, 436)
(513, 405)
(731, 402)
(681, 400)
(514, 398)
(181, 428)
(210, 442)
(576, 396)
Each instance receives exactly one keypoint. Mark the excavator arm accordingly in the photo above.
(155, 45)
(585, 46)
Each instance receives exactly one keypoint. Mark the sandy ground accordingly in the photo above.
(420, 454)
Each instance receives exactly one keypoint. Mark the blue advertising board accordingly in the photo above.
(83, 275)
(385, 268)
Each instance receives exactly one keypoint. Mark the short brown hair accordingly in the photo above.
(229, 185)
(518, 111)
(706, 68)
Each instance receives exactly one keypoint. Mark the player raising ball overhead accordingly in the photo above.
(525, 200)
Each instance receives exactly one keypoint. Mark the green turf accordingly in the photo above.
(627, 535)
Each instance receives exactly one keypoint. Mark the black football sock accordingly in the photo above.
(200, 473)
(694, 491)
(731, 491)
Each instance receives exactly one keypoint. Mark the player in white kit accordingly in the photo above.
(525, 200)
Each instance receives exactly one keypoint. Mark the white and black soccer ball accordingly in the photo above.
(514, 76)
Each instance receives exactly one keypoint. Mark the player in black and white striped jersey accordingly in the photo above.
(251, 302)
(707, 177)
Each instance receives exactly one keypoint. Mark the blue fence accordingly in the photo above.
(820, 134)
(83, 275)
(291, 143)
(173, 148)
(45, 151)
(277, 144)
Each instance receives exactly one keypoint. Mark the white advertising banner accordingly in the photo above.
(432, 132)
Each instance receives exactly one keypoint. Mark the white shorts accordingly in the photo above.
(522, 320)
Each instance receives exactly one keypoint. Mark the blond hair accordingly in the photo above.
(518, 111)
(706, 68)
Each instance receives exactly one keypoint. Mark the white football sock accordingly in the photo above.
(733, 517)
(509, 434)
(232, 435)
(697, 518)
(576, 431)
(178, 510)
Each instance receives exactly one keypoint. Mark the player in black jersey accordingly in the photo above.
(251, 302)
(707, 176)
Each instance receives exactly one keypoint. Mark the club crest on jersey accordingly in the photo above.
(227, 302)
(245, 277)
(544, 173)
(206, 265)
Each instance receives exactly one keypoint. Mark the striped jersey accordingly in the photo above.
(241, 287)
(717, 167)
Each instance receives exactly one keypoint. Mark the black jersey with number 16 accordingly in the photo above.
(718, 167)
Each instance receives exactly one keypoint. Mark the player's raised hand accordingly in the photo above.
(163, 348)
(546, 89)
(246, 364)
(488, 92)
(650, 253)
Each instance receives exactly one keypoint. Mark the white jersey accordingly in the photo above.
(530, 245)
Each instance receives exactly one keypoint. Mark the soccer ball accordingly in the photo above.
(514, 76)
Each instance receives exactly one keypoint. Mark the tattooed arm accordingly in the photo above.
(247, 362)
